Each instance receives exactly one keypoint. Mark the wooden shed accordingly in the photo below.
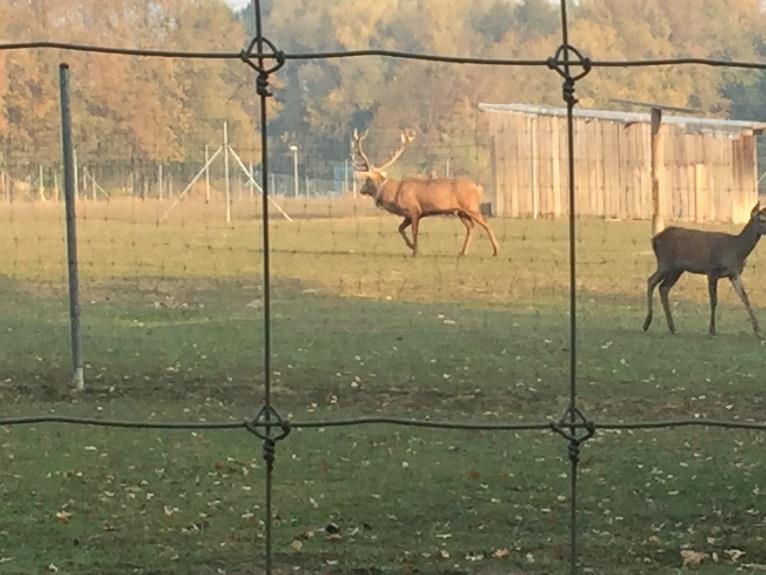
(707, 172)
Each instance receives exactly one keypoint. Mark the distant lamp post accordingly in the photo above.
(294, 150)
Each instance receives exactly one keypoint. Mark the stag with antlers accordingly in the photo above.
(417, 198)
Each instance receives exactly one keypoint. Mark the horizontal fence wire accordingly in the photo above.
(396, 421)
(513, 62)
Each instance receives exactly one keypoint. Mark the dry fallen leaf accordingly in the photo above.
(692, 558)
(63, 516)
(444, 554)
(654, 540)
(734, 554)
(501, 553)
(334, 537)
(297, 545)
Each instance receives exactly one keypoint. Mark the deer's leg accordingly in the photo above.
(736, 282)
(468, 223)
(651, 283)
(712, 288)
(415, 225)
(668, 282)
(479, 219)
(403, 226)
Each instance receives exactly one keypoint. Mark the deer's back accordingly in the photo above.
(696, 251)
(441, 195)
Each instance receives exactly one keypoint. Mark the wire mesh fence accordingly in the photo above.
(265, 291)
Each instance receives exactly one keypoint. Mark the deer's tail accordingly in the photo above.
(655, 243)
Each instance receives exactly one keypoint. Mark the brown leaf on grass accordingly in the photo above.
(501, 553)
(63, 516)
(444, 554)
(473, 474)
(334, 537)
(692, 559)
(297, 545)
(734, 554)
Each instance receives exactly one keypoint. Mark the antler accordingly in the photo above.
(407, 136)
(357, 152)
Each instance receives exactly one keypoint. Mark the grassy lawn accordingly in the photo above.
(172, 318)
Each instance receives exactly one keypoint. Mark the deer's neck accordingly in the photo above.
(747, 239)
(386, 197)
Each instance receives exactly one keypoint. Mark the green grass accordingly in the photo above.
(172, 320)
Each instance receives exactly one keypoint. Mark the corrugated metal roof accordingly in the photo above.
(688, 123)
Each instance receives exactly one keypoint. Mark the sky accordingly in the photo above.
(237, 4)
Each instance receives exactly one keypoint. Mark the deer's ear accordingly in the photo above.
(756, 209)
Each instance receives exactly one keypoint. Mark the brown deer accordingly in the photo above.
(417, 198)
(715, 254)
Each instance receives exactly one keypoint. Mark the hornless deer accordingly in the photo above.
(417, 198)
(715, 254)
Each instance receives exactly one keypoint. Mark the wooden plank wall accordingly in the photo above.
(706, 177)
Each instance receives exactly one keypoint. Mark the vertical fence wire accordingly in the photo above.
(263, 95)
(570, 102)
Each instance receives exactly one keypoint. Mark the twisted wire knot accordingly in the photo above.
(568, 89)
(256, 61)
(262, 85)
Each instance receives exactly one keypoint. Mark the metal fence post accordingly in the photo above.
(78, 378)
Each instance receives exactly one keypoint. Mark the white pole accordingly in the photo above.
(255, 184)
(294, 149)
(92, 186)
(188, 187)
(251, 181)
(160, 191)
(207, 175)
(226, 170)
(345, 177)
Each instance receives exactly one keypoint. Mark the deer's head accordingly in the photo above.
(758, 217)
(374, 177)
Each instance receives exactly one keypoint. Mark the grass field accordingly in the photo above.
(172, 318)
